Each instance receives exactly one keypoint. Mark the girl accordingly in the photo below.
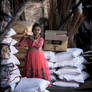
(35, 64)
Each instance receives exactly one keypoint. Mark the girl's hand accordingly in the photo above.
(28, 32)
(31, 37)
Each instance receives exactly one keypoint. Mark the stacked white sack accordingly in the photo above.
(71, 65)
(13, 73)
(50, 57)
(64, 66)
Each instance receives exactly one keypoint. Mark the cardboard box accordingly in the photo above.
(55, 32)
(56, 41)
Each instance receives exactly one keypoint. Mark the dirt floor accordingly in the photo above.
(61, 89)
(86, 87)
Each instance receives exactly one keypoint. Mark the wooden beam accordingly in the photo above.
(69, 15)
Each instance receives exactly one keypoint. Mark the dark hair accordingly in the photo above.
(36, 25)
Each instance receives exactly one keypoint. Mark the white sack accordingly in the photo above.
(4, 72)
(66, 84)
(68, 55)
(13, 42)
(82, 66)
(53, 78)
(50, 55)
(75, 51)
(13, 79)
(63, 56)
(32, 85)
(13, 59)
(9, 69)
(46, 91)
(14, 70)
(68, 70)
(50, 65)
(13, 87)
(10, 80)
(13, 50)
(11, 33)
(68, 77)
(52, 71)
(9, 41)
(85, 75)
(4, 82)
(75, 62)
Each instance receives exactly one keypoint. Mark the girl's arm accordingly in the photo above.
(38, 43)
(24, 41)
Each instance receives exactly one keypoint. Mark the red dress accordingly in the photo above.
(35, 64)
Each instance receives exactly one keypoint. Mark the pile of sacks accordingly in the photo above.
(67, 68)
(10, 74)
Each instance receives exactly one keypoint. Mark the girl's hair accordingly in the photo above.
(36, 25)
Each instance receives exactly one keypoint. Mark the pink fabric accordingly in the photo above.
(35, 64)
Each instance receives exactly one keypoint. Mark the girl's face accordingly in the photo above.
(37, 30)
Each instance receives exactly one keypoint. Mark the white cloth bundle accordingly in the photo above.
(50, 55)
(32, 85)
(66, 84)
(13, 50)
(9, 41)
(13, 59)
(11, 33)
(68, 70)
(75, 62)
